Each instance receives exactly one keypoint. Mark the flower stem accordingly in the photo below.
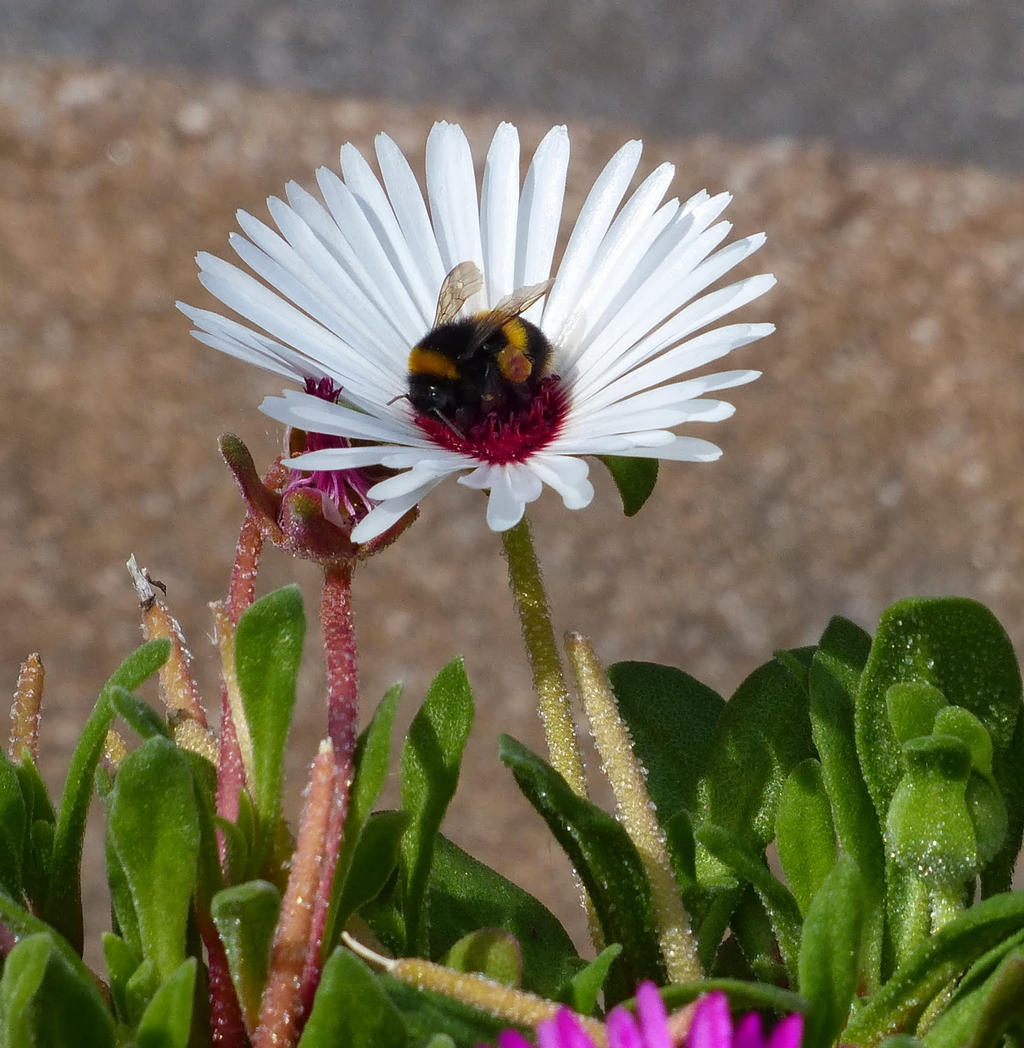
(340, 656)
(636, 811)
(548, 680)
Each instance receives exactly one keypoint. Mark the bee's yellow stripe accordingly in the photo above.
(431, 362)
(515, 332)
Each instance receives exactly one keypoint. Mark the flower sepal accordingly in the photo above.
(300, 519)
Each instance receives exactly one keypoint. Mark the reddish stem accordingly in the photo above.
(340, 654)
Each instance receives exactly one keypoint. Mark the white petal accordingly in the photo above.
(451, 188)
(540, 213)
(568, 476)
(411, 480)
(308, 412)
(504, 507)
(389, 513)
(368, 191)
(499, 209)
(594, 219)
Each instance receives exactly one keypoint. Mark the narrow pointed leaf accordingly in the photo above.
(431, 761)
(671, 718)
(268, 649)
(13, 828)
(936, 962)
(466, 895)
(167, 1021)
(490, 952)
(586, 985)
(154, 829)
(246, 916)
(980, 1018)
(372, 865)
(351, 1008)
(804, 833)
(121, 961)
(634, 477)
(63, 908)
(830, 950)
(606, 861)
(46, 1001)
(372, 758)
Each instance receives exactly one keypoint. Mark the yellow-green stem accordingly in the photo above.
(636, 811)
(539, 636)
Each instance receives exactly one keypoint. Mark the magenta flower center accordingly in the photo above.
(511, 433)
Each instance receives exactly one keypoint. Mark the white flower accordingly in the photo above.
(350, 285)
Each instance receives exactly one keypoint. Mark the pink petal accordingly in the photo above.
(789, 1033)
(652, 1017)
(712, 1025)
(622, 1030)
(749, 1032)
(511, 1039)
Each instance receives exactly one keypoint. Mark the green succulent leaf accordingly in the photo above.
(606, 861)
(671, 718)
(167, 1021)
(586, 985)
(466, 895)
(830, 951)
(14, 822)
(956, 646)
(833, 683)
(268, 649)
(138, 715)
(979, 1019)
(634, 477)
(491, 952)
(372, 758)
(804, 833)
(63, 906)
(372, 865)
(933, 965)
(351, 1008)
(762, 734)
(732, 851)
(47, 1001)
(153, 828)
(121, 961)
(430, 765)
(246, 916)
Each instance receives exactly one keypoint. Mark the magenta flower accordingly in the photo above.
(710, 1027)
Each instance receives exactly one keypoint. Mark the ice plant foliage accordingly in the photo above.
(710, 1026)
(345, 288)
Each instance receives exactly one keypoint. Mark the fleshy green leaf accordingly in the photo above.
(586, 985)
(268, 648)
(430, 771)
(490, 952)
(833, 684)
(913, 707)
(957, 646)
(731, 849)
(830, 950)
(121, 962)
(606, 861)
(466, 895)
(138, 715)
(980, 1018)
(352, 1009)
(13, 826)
(373, 863)
(246, 916)
(167, 1022)
(935, 963)
(63, 908)
(634, 477)
(743, 996)
(154, 830)
(372, 757)
(762, 734)
(671, 718)
(804, 833)
(47, 1002)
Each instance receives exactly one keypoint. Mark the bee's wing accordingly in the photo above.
(510, 307)
(461, 284)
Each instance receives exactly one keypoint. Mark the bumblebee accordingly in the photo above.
(464, 370)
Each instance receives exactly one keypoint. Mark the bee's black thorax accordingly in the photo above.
(461, 378)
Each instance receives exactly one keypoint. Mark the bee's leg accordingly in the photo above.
(451, 425)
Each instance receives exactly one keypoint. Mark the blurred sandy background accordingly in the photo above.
(879, 144)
